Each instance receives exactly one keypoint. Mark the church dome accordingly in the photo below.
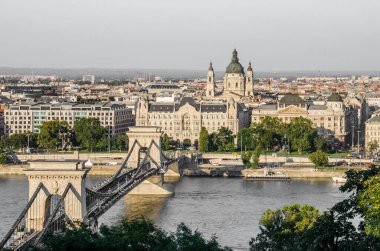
(291, 99)
(235, 66)
(334, 97)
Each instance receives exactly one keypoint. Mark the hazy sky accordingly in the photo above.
(276, 35)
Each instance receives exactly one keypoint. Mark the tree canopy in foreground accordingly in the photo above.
(134, 235)
(304, 228)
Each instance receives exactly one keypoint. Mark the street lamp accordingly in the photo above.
(359, 141)
(109, 139)
(353, 136)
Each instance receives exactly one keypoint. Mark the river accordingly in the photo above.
(227, 207)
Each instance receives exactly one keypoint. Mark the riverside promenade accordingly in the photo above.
(205, 164)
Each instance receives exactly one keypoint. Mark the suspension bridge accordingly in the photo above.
(59, 198)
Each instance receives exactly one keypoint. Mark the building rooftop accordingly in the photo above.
(317, 107)
(291, 99)
(375, 119)
(334, 97)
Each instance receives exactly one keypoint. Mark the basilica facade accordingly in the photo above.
(236, 82)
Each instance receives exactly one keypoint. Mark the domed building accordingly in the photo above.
(236, 82)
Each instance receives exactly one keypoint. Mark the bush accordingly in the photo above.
(319, 158)
(3, 158)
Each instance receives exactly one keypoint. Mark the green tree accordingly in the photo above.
(301, 133)
(213, 141)
(52, 134)
(121, 142)
(369, 203)
(130, 235)
(334, 229)
(372, 146)
(225, 140)
(319, 158)
(203, 140)
(269, 131)
(186, 143)
(247, 139)
(165, 142)
(256, 156)
(89, 133)
(3, 158)
(18, 141)
(281, 228)
(4, 143)
(320, 143)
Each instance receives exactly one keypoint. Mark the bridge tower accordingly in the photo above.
(144, 136)
(57, 177)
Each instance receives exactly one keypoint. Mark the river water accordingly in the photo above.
(227, 207)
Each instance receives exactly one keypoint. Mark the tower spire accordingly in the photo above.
(210, 68)
(249, 66)
(235, 56)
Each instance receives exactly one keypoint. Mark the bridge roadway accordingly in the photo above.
(98, 199)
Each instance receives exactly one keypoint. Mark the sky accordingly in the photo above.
(276, 35)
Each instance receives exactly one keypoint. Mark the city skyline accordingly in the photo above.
(168, 35)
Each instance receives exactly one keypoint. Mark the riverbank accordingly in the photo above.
(292, 172)
(95, 171)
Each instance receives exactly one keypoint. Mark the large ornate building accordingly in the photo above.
(184, 119)
(372, 131)
(331, 118)
(236, 82)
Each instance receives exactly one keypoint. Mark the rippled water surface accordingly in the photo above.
(229, 208)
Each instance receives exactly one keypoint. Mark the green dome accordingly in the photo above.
(334, 97)
(291, 99)
(235, 66)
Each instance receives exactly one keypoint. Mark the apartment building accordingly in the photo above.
(23, 118)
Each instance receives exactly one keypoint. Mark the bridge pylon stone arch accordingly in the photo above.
(55, 176)
(143, 137)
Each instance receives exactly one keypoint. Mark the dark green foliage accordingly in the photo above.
(131, 235)
(203, 140)
(281, 228)
(18, 141)
(301, 133)
(53, 134)
(320, 143)
(319, 158)
(186, 143)
(3, 158)
(271, 132)
(256, 156)
(165, 142)
(90, 134)
(121, 142)
(224, 140)
(332, 230)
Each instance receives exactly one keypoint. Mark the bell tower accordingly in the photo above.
(249, 81)
(210, 86)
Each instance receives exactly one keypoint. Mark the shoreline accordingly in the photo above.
(292, 172)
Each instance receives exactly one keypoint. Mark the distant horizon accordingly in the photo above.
(275, 35)
(177, 69)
